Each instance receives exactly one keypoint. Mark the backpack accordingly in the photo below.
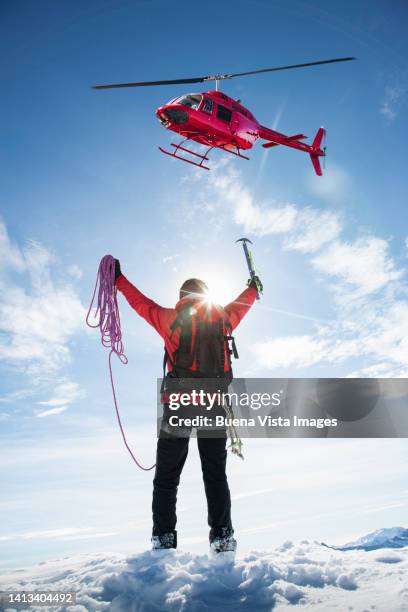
(205, 345)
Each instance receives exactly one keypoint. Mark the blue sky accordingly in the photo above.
(82, 176)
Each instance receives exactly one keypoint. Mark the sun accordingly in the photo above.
(225, 280)
(221, 285)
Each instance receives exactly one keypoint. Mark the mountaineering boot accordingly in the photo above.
(164, 541)
(222, 540)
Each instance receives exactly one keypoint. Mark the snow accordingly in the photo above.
(306, 574)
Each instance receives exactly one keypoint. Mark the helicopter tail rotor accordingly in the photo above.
(317, 151)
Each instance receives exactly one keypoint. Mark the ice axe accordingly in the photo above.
(250, 264)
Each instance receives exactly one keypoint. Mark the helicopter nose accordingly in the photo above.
(173, 115)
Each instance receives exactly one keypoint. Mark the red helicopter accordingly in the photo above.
(217, 121)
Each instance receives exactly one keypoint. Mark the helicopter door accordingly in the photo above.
(224, 113)
(234, 122)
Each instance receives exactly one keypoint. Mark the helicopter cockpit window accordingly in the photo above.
(207, 106)
(224, 113)
(192, 100)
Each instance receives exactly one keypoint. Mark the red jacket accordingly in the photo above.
(161, 318)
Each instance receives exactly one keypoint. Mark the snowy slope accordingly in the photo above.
(392, 537)
(307, 575)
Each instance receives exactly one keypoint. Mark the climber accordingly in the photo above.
(197, 337)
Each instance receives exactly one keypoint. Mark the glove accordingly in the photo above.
(255, 283)
(118, 271)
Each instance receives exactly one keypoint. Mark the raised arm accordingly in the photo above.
(237, 309)
(157, 316)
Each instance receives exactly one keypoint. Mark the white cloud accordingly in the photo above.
(334, 185)
(64, 393)
(368, 289)
(38, 316)
(14, 396)
(313, 228)
(395, 92)
(298, 351)
(386, 332)
(91, 536)
(380, 370)
(75, 271)
(377, 334)
(51, 411)
(65, 534)
(169, 258)
(53, 533)
(365, 264)
(10, 254)
(257, 218)
(224, 193)
(263, 220)
(38, 261)
(378, 338)
(302, 226)
(392, 101)
(37, 326)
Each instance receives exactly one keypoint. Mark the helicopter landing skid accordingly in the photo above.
(179, 147)
(237, 152)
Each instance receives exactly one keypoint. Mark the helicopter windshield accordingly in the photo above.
(192, 100)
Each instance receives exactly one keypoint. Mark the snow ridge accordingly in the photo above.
(309, 575)
(391, 537)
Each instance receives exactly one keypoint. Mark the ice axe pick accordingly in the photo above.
(249, 260)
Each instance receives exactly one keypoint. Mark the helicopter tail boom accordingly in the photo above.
(315, 151)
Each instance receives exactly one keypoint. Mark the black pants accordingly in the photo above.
(171, 456)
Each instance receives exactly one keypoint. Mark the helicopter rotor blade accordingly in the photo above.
(218, 77)
(330, 61)
(150, 83)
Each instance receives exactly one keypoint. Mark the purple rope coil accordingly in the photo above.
(108, 320)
